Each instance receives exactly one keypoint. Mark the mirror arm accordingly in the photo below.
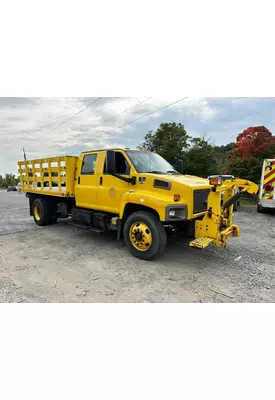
(131, 180)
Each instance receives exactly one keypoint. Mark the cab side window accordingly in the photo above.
(122, 165)
(88, 164)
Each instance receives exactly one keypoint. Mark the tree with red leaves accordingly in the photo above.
(253, 145)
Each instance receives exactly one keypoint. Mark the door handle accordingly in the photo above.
(78, 180)
(101, 180)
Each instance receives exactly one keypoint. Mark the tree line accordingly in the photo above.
(8, 180)
(198, 156)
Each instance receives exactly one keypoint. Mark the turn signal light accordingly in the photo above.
(176, 197)
(215, 181)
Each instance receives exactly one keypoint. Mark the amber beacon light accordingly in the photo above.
(215, 181)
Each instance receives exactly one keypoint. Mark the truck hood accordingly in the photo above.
(188, 180)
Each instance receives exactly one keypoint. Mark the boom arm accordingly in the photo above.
(247, 186)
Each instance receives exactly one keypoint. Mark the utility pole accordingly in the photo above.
(25, 158)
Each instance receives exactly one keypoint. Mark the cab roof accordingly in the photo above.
(114, 149)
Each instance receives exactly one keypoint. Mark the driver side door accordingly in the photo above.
(111, 189)
(86, 181)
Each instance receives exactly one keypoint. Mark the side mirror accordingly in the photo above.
(110, 161)
(181, 166)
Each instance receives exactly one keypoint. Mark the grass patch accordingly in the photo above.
(247, 202)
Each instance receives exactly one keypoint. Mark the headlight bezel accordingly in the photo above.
(179, 211)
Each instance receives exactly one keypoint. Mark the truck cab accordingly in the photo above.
(116, 179)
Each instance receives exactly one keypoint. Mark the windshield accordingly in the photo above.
(147, 162)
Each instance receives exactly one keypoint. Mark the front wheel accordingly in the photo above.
(144, 235)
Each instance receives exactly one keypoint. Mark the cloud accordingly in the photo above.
(26, 121)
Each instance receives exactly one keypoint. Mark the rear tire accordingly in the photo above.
(154, 234)
(41, 212)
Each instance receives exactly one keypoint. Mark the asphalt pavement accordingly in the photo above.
(61, 263)
(14, 213)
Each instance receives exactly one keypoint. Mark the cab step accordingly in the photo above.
(87, 227)
(201, 242)
(77, 225)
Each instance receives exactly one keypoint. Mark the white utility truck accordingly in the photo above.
(267, 186)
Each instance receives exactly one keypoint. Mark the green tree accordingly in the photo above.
(1, 181)
(222, 154)
(170, 141)
(201, 158)
(148, 142)
(247, 168)
(8, 180)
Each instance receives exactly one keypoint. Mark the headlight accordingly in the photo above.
(176, 212)
(172, 213)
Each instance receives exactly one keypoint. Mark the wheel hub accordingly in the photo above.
(140, 236)
(36, 211)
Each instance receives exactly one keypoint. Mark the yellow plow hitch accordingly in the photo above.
(232, 231)
(217, 224)
(201, 242)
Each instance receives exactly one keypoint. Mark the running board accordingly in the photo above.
(87, 227)
(82, 226)
(201, 242)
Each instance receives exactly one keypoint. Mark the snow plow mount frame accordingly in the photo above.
(216, 226)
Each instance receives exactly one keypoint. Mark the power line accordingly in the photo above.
(62, 123)
(122, 112)
(137, 119)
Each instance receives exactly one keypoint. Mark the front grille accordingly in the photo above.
(200, 200)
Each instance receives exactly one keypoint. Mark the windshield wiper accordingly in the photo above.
(173, 172)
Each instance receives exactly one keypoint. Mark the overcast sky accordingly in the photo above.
(26, 121)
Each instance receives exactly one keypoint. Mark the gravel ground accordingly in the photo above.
(61, 263)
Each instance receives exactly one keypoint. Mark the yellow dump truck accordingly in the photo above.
(136, 193)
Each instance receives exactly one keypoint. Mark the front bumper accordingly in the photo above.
(267, 203)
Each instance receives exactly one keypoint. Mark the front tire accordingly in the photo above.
(144, 235)
(41, 212)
